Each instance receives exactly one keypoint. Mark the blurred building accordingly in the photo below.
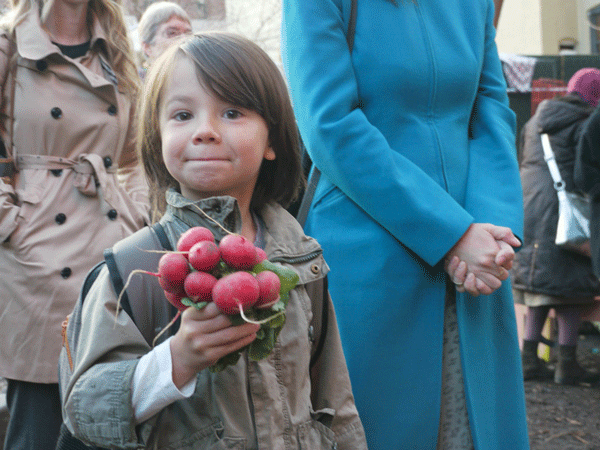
(549, 27)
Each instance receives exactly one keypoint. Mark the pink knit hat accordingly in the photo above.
(586, 82)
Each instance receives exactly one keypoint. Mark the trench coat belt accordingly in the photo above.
(89, 169)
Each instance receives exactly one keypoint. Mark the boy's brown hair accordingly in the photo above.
(239, 72)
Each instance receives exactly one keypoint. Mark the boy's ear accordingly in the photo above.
(269, 154)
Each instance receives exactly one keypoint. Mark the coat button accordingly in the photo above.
(60, 218)
(107, 161)
(56, 172)
(112, 214)
(41, 65)
(218, 209)
(66, 272)
(56, 112)
(314, 268)
(112, 110)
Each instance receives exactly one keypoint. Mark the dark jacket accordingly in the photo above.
(540, 266)
(587, 179)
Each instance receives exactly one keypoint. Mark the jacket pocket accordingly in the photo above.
(315, 434)
(209, 438)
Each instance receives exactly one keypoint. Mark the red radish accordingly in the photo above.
(269, 285)
(172, 270)
(173, 288)
(192, 236)
(238, 290)
(237, 251)
(204, 256)
(198, 286)
(261, 255)
(175, 300)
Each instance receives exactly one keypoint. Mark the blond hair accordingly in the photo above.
(110, 16)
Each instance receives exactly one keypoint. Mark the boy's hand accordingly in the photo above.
(203, 337)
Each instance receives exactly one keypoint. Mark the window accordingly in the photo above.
(594, 20)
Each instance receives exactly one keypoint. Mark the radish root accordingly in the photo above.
(212, 220)
(169, 325)
(258, 322)
(125, 288)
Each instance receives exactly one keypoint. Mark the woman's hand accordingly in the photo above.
(481, 259)
(203, 337)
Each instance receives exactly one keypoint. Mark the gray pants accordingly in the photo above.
(35, 416)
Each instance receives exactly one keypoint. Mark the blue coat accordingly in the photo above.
(416, 141)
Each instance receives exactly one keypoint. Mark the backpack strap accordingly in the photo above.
(318, 327)
(143, 299)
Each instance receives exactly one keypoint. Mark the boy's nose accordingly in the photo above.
(206, 131)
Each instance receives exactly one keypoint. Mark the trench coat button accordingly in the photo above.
(217, 209)
(60, 218)
(56, 172)
(41, 65)
(66, 272)
(56, 112)
(112, 214)
(112, 110)
(107, 161)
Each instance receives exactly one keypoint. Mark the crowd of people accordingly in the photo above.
(401, 332)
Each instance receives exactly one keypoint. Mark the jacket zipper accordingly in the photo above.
(297, 259)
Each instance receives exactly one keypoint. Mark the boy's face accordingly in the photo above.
(209, 146)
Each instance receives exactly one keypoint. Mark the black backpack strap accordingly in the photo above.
(319, 326)
(162, 236)
(117, 281)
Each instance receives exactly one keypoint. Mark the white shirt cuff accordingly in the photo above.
(152, 387)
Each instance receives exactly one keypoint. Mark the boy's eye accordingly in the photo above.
(232, 114)
(181, 116)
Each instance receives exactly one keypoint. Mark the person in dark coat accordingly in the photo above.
(544, 275)
(587, 179)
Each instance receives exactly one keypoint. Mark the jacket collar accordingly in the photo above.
(34, 43)
(284, 236)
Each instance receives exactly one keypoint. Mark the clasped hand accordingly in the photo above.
(481, 259)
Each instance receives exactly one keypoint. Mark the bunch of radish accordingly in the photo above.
(236, 276)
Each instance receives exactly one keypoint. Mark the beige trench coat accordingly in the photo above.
(78, 191)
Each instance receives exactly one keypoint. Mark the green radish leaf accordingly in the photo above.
(188, 302)
(227, 360)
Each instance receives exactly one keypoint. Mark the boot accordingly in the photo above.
(533, 367)
(568, 371)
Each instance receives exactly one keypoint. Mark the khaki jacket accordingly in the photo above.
(275, 404)
(79, 190)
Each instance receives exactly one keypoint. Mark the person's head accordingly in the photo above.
(213, 96)
(110, 16)
(586, 83)
(161, 23)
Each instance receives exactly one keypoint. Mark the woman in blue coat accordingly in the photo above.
(416, 144)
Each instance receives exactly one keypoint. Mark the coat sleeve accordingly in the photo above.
(346, 147)
(8, 208)
(494, 199)
(330, 381)
(96, 393)
(587, 157)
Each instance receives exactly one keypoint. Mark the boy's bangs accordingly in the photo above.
(224, 72)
